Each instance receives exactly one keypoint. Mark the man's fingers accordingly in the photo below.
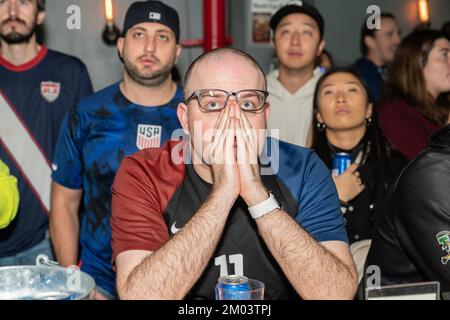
(223, 117)
(247, 127)
(217, 145)
(230, 155)
(241, 148)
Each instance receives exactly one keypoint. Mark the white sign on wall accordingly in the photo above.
(261, 11)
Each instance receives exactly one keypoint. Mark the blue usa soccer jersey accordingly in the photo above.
(34, 98)
(95, 137)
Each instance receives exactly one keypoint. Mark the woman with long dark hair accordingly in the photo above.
(346, 121)
(414, 106)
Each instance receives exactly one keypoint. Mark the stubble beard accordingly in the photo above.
(153, 79)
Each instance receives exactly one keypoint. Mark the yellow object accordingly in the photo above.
(423, 11)
(9, 196)
(109, 11)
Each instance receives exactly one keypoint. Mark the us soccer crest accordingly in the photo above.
(443, 238)
(148, 136)
(50, 90)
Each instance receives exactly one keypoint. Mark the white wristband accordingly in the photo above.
(264, 207)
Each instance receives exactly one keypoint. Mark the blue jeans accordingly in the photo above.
(28, 257)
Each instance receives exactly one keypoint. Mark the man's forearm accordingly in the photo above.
(171, 271)
(64, 231)
(313, 271)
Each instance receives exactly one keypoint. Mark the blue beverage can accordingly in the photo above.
(341, 161)
(233, 288)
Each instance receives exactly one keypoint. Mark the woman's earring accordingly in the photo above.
(368, 121)
(321, 126)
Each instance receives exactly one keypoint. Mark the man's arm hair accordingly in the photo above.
(171, 271)
(311, 249)
(316, 271)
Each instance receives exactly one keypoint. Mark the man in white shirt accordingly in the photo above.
(298, 39)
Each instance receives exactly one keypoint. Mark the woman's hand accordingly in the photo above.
(349, 183)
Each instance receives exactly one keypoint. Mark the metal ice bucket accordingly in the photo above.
(44, 281)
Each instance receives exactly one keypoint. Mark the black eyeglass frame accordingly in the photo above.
(196, 95)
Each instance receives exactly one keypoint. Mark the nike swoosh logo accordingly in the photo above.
(174, 229)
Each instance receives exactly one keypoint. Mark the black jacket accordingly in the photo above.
(362, 212)
(412, 241)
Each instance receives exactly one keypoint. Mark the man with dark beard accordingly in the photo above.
(137, 113)
(37, 87)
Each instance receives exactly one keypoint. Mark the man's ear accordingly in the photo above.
(40, 17)
(120, 43)
(178, 52)
(182, 112)
(272, 37)
(370, 42)
(267, 111)
(321, 47)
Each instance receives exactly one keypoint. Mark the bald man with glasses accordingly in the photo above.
(229, 207)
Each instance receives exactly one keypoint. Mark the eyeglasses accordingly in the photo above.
(212, 100)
